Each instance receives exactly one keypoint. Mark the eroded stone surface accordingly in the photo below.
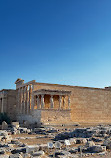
(74, 142)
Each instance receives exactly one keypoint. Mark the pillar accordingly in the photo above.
(42, 101)
(0, 105)
(38, 102)
(20, 100)
(60, 101)
(63, 102)
(24, 100)
(32, 98)
(68, 102)
(35, 102)
(30, 93)
(2, 110)
(51, 102)
(27, 100)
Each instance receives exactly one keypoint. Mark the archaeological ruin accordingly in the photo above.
(56, 104)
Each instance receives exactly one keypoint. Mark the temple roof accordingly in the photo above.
(18, 80)
(53, 92)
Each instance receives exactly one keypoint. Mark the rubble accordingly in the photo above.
(74, 142)
(4, 125)
(32, 148)
(15, 124)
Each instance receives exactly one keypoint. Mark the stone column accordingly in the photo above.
(35, 101)
(20, 100)
(0, 105)
(32, 98)
(38, 102)
(24, 100)
(51, 102)
(63, 102)
(30, 93)
(27, 100)
(68, 102)
(42, 101)
(60, 101)
(2, 110)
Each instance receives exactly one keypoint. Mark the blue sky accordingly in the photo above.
(55, 41)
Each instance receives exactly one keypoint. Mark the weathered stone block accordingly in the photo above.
(32, 148)
(4, 125)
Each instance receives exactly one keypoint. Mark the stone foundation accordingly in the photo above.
(46, 116)
(52, 116)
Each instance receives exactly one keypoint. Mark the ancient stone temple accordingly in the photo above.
(8, 102)
(56, 104)
(41, 105)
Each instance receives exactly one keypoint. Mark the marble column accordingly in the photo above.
(35, 102)
(2, 109)
(24, 100)
(68, 102)
(63, 102)
(27, 100)
(32, 98)
(38, 102)
(18, 100)
(0, 105)
(30, 93)
(51, 102)
(42, 101)
(60, 101)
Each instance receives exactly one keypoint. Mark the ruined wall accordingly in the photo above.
(8, 102)
(46, 116)
(32, 118)
(55, 116)
(11, 104)
(87, 104)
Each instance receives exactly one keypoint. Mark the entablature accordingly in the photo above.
(52, 92)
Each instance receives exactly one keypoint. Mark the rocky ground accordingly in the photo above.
(59, 142)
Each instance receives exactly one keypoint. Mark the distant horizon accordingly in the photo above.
(61, 41)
